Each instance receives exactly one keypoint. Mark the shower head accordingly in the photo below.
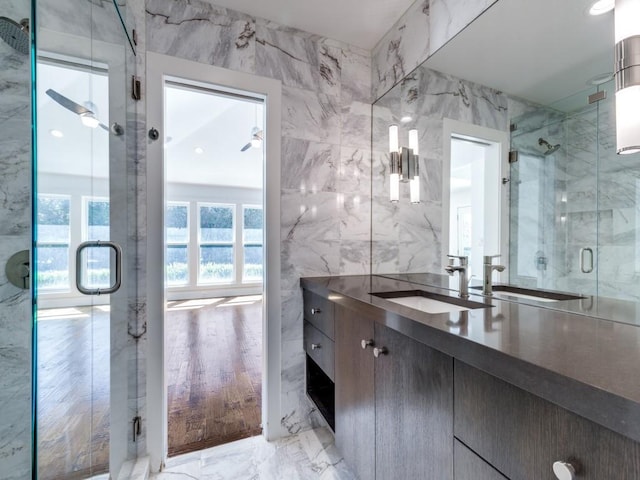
(550, 148)
(15, 34)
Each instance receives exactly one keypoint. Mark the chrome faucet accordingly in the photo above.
(488, 268)
(462, 268)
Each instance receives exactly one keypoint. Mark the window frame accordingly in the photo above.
(244, 244)
(168, 244)
(57, 244)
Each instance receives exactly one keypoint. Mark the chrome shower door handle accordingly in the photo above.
(583, 267)
(118, 267)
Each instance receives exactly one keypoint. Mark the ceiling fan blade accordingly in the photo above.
(67, 103)
(104, 127)
(246, 147)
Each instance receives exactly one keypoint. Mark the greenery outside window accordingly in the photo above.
(53, 242)
(177, 253)
(216, 243)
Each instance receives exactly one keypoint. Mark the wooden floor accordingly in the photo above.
(73, 393)
(214, 374)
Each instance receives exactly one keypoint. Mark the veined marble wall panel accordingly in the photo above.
(96, 19)
(422, 30)
(15, 235)
(407, 238)
(325, 149)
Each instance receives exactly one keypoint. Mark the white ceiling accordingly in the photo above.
(219, 125)
(540, 50)
(356, 22)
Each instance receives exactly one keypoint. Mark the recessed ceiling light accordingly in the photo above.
(601, 6)
(406, 119)
(56, 133)
(199, 150)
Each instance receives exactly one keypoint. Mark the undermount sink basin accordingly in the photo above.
(430, 302)
(530, 294)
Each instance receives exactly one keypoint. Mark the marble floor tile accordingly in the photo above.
(308, 455)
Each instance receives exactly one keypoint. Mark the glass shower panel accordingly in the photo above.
(619, 215)
(554, 210)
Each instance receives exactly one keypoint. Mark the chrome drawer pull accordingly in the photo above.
(366, 343)
(380, 351)
(564, 471)
(316, 311)
(315, 346)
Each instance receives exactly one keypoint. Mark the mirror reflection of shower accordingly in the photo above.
(549, 148)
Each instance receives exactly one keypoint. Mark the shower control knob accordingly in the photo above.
(564, 471)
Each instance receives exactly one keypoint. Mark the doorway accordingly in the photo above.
(217, 270)
(214, 163)
(475, 194)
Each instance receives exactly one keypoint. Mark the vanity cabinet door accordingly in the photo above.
(355, 409)
(414, 409)
(469, 466)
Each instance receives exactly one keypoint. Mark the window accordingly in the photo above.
(252, 244)
(216, 239)
(53, 242)
(96, 227)
(177, 254)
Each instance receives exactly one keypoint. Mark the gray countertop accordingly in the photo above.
(588, 365)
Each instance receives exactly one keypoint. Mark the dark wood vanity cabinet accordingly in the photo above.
(394, 402)
(522, 435)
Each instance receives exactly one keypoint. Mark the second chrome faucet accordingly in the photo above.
(487, 270)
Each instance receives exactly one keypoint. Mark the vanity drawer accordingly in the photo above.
(319, 312)
(522, 435)
(468, 466)
(320, 348)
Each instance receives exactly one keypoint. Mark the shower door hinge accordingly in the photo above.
(513, 127)
(134, 34)
(136, 88)
(513, 156)
(596, 97)
(137, 429)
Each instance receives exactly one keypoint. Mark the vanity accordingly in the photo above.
(503, 389)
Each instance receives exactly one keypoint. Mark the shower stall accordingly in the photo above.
(574, 222)
(69, 317)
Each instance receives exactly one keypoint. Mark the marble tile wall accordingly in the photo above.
(425, 27)
(15, 235)
(407, 238)
(326, 125)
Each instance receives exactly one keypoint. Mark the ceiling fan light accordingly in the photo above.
(256, 143)
(88, 119)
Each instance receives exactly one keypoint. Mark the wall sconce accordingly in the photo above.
(404, 165)
(627, 75)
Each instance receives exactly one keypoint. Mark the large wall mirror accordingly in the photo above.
(562, 209)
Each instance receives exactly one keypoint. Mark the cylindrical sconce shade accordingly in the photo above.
(413, 141)
(627, 13)
(627, 75)
(628, 120)
(414, 189)
(394, 190)
(393, 139)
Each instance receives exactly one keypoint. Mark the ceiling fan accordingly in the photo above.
(256, 139)
(87, 117)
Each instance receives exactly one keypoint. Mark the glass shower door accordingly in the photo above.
(80, 220)
(554, 201)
